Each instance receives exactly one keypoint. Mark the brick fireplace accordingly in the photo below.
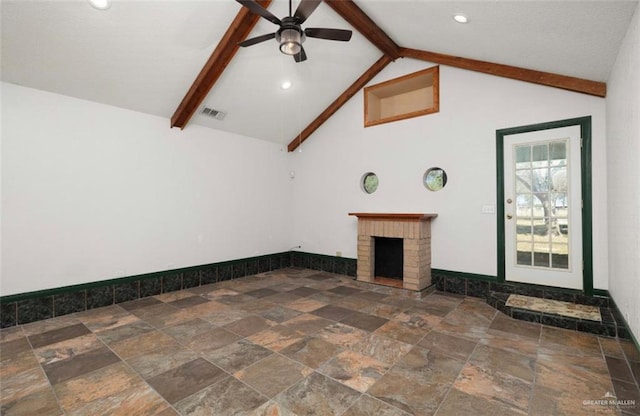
(414, 229)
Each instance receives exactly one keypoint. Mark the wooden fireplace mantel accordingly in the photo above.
(393, 216)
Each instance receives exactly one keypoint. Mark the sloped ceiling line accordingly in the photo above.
(354, 15)
(599, 89)
(238, 31)
(340, 101)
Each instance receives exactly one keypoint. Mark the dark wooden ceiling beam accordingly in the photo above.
(598, 89)
(340, 101)
(238, 31)
(354, 15)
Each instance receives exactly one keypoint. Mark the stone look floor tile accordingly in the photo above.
(80, 364)
(212, 339)
(139, 303)
(103, 319)
(383, 310)
(364, 321)
(303, 291)
(459, 403)
(57, 335)
(181, 382)
(494, 386)
(343, 336)
(225, 316)
(382, 348)
(511, 343)
(41, 402)
(401, 331)
(237, 355)
(12, 333)
(102, 391)
(67, 349)
(368, 406)
(317, 395)
(227, 397)
(305, 305)
(276, 338)
(146, 343)
(16, 356)
(249, 325)
(39, 327)
(418, 318)
(307, 324)
(558, 338)
(345, 290)
(189, 329)
(355, 370)
(354, 303)
(316, 344)
(611, 347)
(210, 308)
(189, 302)
(448, 344)
(166, 357)
(125, 331)
(335, 313)
(505, 362)
(514, 327)
(311, 351)
(273, 374)
(408, 394)
(571, 384)
(261, 293)
(429, 366)
(17, 386)
(279, 314)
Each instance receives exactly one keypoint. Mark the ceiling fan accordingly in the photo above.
(290, 35)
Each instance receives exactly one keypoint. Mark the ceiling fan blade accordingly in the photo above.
(257, 39)
(305, 8)
(302, 56)
(329, 34)
(259, 10)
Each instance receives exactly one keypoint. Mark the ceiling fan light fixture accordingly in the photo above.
(290, 41)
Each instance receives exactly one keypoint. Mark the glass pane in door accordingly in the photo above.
(541, 185)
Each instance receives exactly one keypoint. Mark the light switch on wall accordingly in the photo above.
(488, 209)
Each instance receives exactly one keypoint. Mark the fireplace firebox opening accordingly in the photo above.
(388, 257)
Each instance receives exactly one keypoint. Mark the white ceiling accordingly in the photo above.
(143, 55)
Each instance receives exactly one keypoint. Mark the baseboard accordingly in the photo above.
(29, 307)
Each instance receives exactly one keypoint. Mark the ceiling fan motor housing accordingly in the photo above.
(290, 36)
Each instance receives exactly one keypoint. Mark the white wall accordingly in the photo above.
(623, 151)
(461, 140)
(92, 192)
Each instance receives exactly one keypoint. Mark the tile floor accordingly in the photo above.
(301, 342)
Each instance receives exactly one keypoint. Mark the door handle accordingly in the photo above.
(509, 216)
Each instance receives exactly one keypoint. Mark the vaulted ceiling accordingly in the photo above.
(148, 56)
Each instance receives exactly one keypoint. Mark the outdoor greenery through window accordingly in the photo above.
(542, 212)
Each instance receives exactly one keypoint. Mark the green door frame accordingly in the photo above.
(585, 156)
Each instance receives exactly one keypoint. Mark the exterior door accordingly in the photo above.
(542, 207)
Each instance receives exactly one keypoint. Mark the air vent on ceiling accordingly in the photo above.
(218, 115)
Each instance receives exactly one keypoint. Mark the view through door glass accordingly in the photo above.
(542, 215)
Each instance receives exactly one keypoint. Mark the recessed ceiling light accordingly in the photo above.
(100, 4)
(460, 18)
(285, 85)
